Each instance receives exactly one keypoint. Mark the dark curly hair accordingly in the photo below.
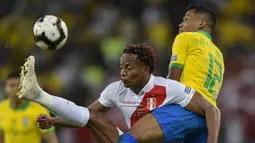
(145, 53)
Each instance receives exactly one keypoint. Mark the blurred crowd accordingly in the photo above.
(98, 32)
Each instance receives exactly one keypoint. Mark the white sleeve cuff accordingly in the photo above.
(104, 102)
(187, 99)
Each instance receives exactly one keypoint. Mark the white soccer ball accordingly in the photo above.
(50, 32)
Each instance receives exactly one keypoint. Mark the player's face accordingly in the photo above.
(11, 88)
(132, 71)
(190, 22)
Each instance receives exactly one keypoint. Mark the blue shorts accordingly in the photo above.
(180, 125)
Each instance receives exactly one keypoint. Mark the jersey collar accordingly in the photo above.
(206, 34)
(148, 86)
(23, 107)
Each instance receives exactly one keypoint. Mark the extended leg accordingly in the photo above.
(146, 130)
(170, 123)
(102, 128)
(67, 110)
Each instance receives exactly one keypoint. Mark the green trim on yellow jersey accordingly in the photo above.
(23, 107)
(206, 34)
(176, 65)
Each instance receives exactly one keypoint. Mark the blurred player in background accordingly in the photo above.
(196, 61)
(18, 117)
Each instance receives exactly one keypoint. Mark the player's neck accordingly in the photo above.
(206, 29)
(138, 88)
(17, 104)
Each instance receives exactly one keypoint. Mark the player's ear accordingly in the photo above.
(202, 24)
(146, 70)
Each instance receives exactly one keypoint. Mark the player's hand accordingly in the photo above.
(44, 121)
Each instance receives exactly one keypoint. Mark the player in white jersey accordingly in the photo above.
(136, 95)
(157, 92)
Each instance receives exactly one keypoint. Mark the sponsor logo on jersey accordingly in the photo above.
(151, 103)
(187, 90)
(129, 102)
(174, 58)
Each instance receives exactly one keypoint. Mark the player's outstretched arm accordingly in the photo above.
(200, 105)
(46, 122)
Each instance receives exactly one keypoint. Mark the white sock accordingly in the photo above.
(65, 109)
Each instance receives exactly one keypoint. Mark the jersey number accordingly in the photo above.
(212, 78)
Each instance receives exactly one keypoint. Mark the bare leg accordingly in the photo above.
(176, 121)
(147, 130)
(102, 129)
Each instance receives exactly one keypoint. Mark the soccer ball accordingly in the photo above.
(50, 32)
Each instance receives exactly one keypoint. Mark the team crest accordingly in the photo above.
(25, 121)
(174, 58)
(151, 103)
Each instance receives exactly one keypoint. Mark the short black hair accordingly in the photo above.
(207, 10)
(145, 53)
(13, 75)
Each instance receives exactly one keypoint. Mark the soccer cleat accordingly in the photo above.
(28, 88)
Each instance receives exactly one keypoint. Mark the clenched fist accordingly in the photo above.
(44, 121)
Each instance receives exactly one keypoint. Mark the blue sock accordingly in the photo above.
(126, 138)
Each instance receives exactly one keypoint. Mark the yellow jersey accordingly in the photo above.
(20, 126)
(202, 63)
